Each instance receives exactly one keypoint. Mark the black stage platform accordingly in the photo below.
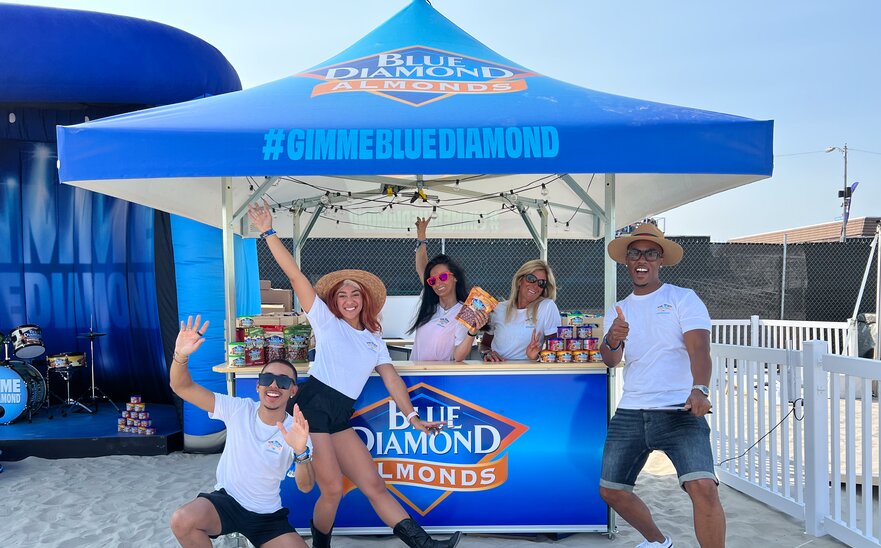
(81, 434)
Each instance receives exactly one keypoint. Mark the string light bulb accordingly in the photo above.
(567, 226)
(433, 212)
(544, 189)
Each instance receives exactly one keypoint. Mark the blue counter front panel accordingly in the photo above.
(520, 452)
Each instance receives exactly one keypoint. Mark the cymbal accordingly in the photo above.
(90, 335)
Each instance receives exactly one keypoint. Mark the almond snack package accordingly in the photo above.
(478, 299)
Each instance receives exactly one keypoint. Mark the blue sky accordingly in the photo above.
(812, 67)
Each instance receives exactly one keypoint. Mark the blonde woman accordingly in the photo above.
(518, 326)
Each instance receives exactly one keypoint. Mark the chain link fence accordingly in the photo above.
(817, 282)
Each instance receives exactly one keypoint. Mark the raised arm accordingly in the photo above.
(612, 347)
(188, 341)
(261, 216)
(297, 438)
(421, 247)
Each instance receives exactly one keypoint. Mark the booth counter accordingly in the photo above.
(520, 452)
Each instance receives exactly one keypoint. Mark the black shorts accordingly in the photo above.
(235, 518)
(327, 410)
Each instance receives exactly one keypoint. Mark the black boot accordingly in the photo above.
(319, 539)
(415, 536)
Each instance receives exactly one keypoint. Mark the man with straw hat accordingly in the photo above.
(664, 333)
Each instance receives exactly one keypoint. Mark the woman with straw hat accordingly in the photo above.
(343, 310)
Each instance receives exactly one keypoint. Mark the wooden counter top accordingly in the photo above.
(468, 366)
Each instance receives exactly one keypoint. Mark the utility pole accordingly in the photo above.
(844, 194)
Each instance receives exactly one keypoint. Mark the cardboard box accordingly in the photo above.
(270, 309)
(284, 297)
(279, 319)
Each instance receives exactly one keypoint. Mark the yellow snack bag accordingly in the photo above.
(478, 299)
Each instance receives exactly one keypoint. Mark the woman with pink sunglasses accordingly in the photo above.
(437, 334)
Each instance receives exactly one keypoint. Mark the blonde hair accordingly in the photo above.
(549, 292)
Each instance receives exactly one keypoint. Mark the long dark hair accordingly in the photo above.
(430, 299)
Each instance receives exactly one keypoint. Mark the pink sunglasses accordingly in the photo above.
(443, 276)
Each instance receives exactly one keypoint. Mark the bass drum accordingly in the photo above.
(22, 391)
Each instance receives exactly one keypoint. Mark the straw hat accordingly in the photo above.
(650, 233)
(368, 282)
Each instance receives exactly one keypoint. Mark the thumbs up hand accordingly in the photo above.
(619, 330)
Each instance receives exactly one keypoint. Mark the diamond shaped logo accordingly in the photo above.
(468, 454)
(418, 75)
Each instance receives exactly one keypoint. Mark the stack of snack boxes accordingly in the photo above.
(261, 339)
(136, 419)
(577, 341)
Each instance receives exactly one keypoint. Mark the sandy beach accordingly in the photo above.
(125, 501)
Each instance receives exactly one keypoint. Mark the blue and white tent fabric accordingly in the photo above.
(419, 105)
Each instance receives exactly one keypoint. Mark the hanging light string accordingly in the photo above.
(375, 205)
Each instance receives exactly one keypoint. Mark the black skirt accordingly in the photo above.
(327, 409)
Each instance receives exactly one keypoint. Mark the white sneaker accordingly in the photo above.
(668, 543)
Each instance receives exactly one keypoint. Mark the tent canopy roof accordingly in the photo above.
(419, 96)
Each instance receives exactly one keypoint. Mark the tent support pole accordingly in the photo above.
(261, 190)
(300, 236)
(584, 196)
(610, 282)
(540, 242)
(308, 230)
(299, 239)
(543, 215)
(295, 246)
(229, 273)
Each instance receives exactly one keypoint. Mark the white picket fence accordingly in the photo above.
(789, 429)
(841, 336)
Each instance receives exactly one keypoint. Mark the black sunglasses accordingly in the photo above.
(650, 254)
(282, 381)
(533, 279)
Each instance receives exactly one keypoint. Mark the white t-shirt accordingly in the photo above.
(511, 339)
(256, 456)
(344, 356)
(657, 369)
(437, 339)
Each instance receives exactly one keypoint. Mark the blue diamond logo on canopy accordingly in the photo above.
(418, 75)
(467, 455)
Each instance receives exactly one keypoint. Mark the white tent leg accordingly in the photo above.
(295, 246)
(610, 282)
(229, 274)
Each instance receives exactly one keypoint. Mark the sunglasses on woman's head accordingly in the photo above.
(443, 276)
(282, 381)
(533, 279)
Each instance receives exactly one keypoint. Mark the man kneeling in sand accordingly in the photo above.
(261, 443)
(667, 334)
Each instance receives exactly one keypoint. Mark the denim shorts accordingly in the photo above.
(634, 433)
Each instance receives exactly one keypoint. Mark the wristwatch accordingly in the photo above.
(304, 457)
(704, 389)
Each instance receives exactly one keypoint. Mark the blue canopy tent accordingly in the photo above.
(418, 108)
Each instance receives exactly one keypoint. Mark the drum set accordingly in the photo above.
(23, 389)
